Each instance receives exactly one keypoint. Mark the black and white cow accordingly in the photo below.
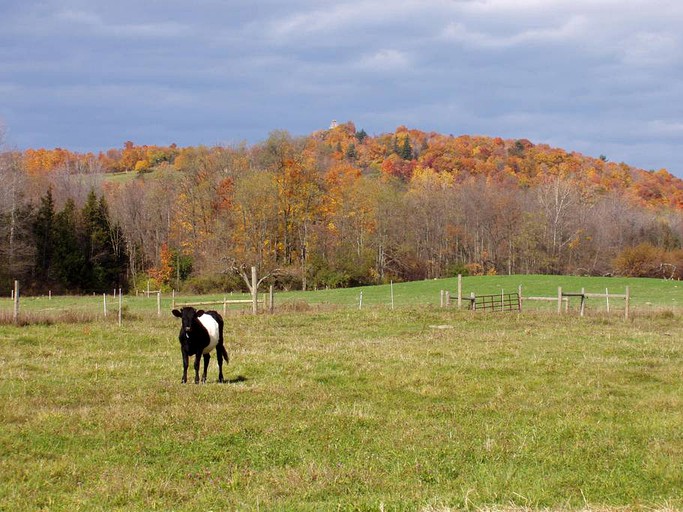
(200, 333)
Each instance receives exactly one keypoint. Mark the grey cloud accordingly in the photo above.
(598, 76)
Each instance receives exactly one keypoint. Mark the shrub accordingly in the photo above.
(213, 284)
(641, 261)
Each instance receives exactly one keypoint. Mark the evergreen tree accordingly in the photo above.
(405, 151)
(69, 263)
(351, 153)
(43, 233)
(105, 261)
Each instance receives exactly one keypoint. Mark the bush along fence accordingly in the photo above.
(514, 301)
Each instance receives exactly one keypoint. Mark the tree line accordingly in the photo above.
(335, 208)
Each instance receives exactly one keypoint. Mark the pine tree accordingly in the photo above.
(351, 153)
(69, 263)
(43, 233)
(106, 261)
(405, 150)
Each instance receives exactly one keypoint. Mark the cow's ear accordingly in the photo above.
(199, 312)
(177, 313)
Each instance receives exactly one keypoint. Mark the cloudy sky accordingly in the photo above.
(595, 76)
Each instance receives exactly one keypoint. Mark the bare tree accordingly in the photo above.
(16, 250)
(241, 270)
(431, 203)
(558, 201)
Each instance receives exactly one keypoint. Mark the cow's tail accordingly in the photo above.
(224, 351)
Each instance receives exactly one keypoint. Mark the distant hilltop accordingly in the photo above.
(402, 154)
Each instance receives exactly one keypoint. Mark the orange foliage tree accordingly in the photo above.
(163, 272)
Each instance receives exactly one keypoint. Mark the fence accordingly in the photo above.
(514, 301)
(267, 302)
(90, 307)
(490, 302)
(583, 296)
(80, 307)
(563, 298)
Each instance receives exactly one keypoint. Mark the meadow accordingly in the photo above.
(333, 408)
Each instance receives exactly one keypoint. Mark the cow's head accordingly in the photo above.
(188, 316)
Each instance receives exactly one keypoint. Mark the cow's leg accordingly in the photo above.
(220, 350)
(196, 367)
(219, 354)
(207, 357)
(186, 363)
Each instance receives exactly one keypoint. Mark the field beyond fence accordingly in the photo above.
(645, 295)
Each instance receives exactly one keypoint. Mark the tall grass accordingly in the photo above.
(414, 409)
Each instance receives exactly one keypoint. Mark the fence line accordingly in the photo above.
(492, 302)
(507, 302)
(266, 302)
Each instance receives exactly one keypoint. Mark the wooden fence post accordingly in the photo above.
(159, 303)
(459, 291)
(360, 301)
(254, 291)
(607, 299)
(271, 303)
(104, 301)
(120, 307)
(15, 316)
(441, 298)
(583, 301)
(559, 300)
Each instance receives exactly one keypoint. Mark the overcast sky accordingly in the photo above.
(594, 76)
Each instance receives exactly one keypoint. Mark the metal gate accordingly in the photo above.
(501, 302)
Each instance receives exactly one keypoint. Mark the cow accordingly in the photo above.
(201, 331)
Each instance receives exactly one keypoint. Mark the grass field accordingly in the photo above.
(331, 408)
(647, 295)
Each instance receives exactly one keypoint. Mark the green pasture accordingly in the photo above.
(333, 408)
(646, 295)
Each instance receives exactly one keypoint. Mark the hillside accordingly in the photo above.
(332, 209)
(513, 162)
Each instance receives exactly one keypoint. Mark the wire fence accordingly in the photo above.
(114, 307)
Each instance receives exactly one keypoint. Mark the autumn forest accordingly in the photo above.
(335, 208)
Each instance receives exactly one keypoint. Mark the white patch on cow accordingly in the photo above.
(211, 327)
